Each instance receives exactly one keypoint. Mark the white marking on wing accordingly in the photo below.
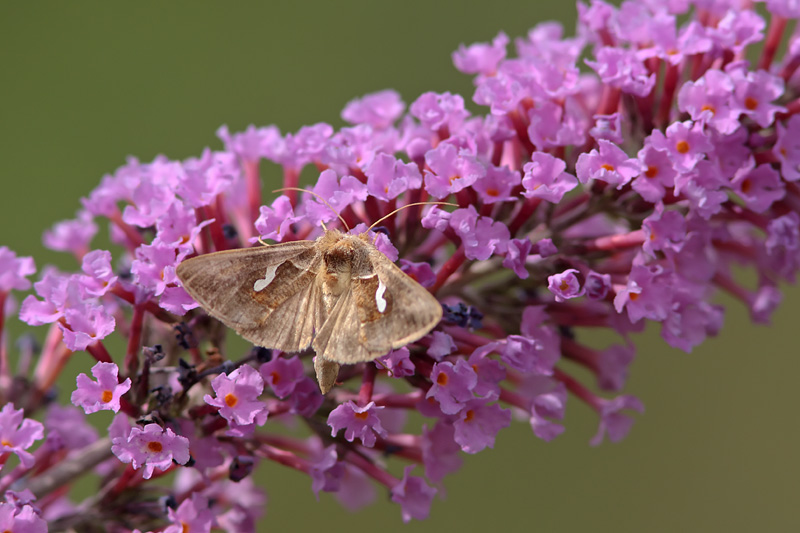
(379, 300)
(262, 284)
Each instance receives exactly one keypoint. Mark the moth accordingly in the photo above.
(338, 294)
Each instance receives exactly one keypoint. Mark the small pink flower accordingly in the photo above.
(358, 422)
(24, 520)
(14, 271)
(152, 447)
(103, 394)
(612, 423)
(18, 433)
(452, 385)
(379, 109)
(414, 496)
(237, 396)
(192, 515)
(565, 285)
(282, 374)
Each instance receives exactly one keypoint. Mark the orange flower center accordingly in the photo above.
(276, 377)
(362, 416)
(608, 167)
(107, 396)
(442, 379)
(709, 107)
(750, 103)
(682, 147)
(746, 186)
(491, 191)
(231, 400)
(633, 296)
(469, 416)
(155, 446)
(651, 172)
(527, 103)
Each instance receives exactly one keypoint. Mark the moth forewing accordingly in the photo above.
(411, 311)
(290, 327)
(266, 294)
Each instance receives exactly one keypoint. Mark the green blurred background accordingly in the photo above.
(86, 84)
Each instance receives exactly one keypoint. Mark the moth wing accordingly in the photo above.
(290, 326)
(383, 310)
(409, 310)
(269, 295)
(339, 338)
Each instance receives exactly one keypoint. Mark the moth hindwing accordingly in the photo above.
(338, 294)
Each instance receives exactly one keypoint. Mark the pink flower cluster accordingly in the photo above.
(591, 194)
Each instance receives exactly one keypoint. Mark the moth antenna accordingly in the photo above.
(403, 207)
(323, 200)
(262, 241)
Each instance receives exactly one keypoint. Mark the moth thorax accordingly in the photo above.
(338, 265)
(339, 259)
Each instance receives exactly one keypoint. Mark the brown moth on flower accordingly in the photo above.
(338, 294)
